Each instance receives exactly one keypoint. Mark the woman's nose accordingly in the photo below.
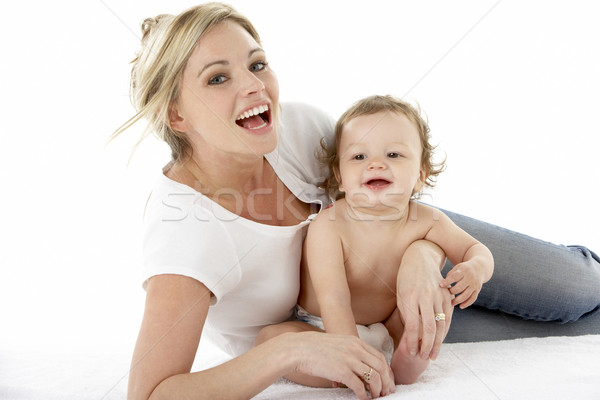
(251, 84)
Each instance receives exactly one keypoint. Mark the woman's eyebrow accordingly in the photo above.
(257, 49)
(225, 62)
(210, 64)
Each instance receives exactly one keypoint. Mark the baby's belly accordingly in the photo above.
(370, 308)
(373, 293)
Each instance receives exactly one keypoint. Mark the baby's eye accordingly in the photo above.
(393, 154)
(258, 66)
(217, 80)
(359, 157)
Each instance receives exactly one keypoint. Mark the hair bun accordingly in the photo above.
(150, 25)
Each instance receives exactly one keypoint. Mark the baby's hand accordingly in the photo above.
(467, 280)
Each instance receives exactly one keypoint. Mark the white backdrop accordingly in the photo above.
(510, 89)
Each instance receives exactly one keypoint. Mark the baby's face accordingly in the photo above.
(380, 161)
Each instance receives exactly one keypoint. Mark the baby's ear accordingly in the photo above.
(423, 175)
(338, 178)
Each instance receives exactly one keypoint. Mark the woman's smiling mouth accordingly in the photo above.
(254, 118)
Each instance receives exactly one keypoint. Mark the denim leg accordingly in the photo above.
(532, 278)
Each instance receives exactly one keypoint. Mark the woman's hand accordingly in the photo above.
(419, 298)
(345, 359)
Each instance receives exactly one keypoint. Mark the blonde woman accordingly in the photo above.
(226, 221)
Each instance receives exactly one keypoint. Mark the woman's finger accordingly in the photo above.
(429, 329)
(372, 379)
(354, 383)
(440, 333)
(381, 377)
(411, 317)
(448, 310)
(443, 325)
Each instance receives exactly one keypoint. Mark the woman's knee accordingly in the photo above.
(583, 288)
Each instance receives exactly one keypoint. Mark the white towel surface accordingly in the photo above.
(533, 368)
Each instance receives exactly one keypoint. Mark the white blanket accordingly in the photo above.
(534, 368)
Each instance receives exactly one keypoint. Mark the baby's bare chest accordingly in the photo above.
(372, 256)
(372, 265)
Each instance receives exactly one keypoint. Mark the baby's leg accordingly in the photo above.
(406, 368)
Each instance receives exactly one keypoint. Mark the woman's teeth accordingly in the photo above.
(253, 112)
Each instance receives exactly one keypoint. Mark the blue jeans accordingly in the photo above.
(534, 279)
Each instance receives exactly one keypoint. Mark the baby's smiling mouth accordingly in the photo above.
(255, 118)
(377, 183)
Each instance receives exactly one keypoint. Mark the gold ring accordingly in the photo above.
(367, 375)
(440, 317)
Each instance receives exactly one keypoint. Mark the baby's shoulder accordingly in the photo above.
(330, 217)
(424, 214)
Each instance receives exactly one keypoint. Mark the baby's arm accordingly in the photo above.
(325, 260)
(473, 262)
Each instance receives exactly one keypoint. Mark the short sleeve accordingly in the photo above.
(302, 128)
(183, 238)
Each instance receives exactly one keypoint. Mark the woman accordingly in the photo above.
(226, 221)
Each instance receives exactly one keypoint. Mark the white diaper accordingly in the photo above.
(376, 335)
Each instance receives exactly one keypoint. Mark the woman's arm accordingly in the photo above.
(176, 309)
(420, 297)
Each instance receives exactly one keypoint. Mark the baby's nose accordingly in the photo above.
(376, 164)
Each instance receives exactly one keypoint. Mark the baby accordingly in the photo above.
(380, 162)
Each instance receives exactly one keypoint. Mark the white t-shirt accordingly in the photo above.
(252, 269)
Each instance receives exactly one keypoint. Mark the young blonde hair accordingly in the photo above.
(372, 105)
(167, 44)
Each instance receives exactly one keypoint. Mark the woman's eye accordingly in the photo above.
(359, 157)
(393, 155)
(258, 66)
(217, 80)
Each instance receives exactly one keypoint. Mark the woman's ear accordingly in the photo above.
(176, 121)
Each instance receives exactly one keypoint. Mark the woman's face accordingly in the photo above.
(229, 96)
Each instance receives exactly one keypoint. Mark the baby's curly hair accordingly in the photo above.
(372, 105)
